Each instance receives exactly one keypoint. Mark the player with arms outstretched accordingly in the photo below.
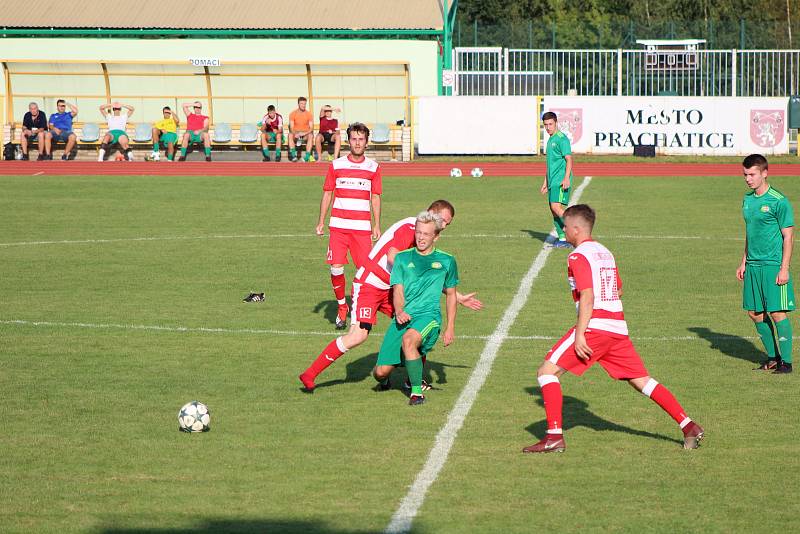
(354, 186)
(372, 292)
(600, 336)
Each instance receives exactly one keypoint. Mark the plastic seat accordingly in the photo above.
(143, 133)
(248, 133)
(90, 132)
(222, 133)
(380, 133)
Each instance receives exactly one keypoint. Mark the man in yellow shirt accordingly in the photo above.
(301, 130)
(165, 133)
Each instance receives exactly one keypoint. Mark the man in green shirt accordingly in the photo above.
(419, 276)
(558, 181)
(768, 293)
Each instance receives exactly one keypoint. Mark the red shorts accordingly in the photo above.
(614, 352)
(368, 301)
(339, 243)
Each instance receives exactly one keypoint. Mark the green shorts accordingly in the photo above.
(116, 134)
(272, 137)
(761, 293)
(167, 138)
(195, 138)
(391, 352)
(556, 195)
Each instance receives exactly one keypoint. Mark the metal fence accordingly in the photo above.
(514, 72)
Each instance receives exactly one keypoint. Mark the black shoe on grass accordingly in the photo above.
(414, 400)
(783, 369)
(770, 365)
(254, 297)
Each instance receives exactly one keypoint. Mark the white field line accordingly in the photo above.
(296, 236)
(303, 333)
(404, 515)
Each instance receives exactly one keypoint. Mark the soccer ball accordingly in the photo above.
(153, 156)
(194, 417)
(119, 157)
(455, 172)
(477, 172)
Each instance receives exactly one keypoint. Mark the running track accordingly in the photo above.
(202, 168)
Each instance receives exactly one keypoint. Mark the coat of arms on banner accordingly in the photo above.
(570, 121)
(767, 126)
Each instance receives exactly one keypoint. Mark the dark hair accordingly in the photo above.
(755, 160)
(60, 101)
(270, 108)
(581, 210)
(439, 205)
(302, 99)
(166, 108)
(358, 127)
(547, 115)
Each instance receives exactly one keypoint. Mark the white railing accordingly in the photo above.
(498, 71)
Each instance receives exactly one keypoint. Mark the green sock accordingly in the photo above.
(414, 369)
(207, 151)
(277, 152)
(183, 152)
(292, 152)
(171, 157)
(767, 336)
(265, 151)
(155, 147)
(558, 223)
(784, 330)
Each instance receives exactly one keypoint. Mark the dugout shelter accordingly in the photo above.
(235, 56)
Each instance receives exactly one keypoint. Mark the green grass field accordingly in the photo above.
(121, 299)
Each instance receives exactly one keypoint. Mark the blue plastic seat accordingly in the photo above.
(222, 133)
(90, 132)
(143, 133)
(248, 133)
(380, 133)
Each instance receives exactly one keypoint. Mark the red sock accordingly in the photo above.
(553, 401)
(326, 357)
(338, 281)
(662, 396)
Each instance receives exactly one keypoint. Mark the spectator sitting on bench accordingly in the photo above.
(165, 133)
(301, 130)
(328, 133)
(34, 125)
(271, 132)
(196, 129)
(61, 128)
(117, 124)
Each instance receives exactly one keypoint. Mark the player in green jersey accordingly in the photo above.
(558, 181)
(768, 293)
(419, 276)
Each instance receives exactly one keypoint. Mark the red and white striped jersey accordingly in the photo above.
(376, 272)
(353, 184)
(591, 265)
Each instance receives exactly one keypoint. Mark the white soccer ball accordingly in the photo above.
(455, 172)
(194, 417)
(477, 172)
(153, 156)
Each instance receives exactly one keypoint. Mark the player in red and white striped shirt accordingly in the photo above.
(372, 292)
(353, 185)
(600, 336)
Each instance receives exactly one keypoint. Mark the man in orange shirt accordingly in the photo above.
(301, 130)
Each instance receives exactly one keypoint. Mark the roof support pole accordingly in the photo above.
(210, 95)
(310, 89)
(9, 111)
(107, 82)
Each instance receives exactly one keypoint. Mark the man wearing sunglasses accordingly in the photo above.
(196, 129)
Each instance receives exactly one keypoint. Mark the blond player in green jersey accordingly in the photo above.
(558, 181)
(768, 294)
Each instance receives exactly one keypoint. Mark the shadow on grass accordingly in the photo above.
(361, 369)
(541, 236)
(733, 346)
(577, 413)
(329, 310)
(237, 526)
